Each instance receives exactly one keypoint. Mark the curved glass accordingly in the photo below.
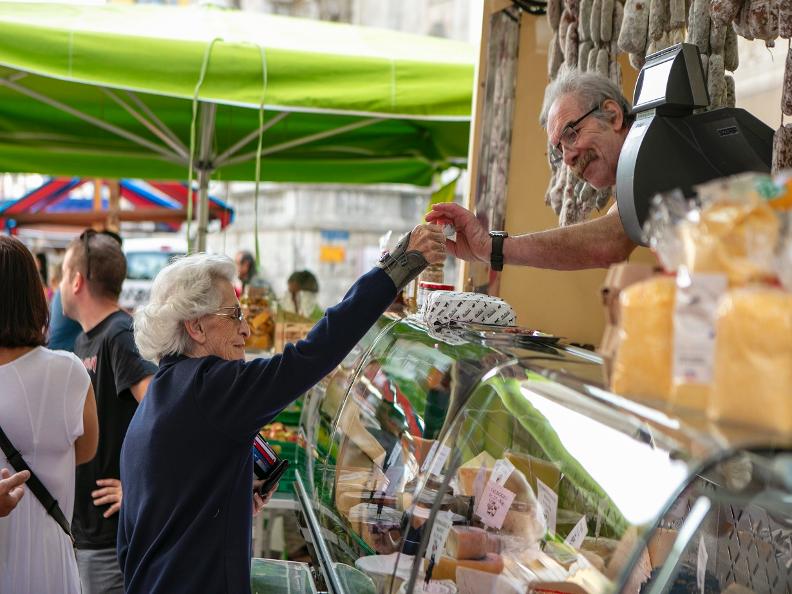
(492, 460)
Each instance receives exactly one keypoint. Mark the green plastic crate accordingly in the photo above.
(286, 450)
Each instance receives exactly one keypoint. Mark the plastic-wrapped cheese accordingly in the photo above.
(753, 359)
(733, 237)
(642, 366)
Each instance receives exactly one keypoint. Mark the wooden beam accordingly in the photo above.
(90, 218)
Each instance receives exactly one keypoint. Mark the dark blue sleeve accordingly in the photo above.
(239, 397)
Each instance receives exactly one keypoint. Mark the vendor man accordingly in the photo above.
(587, 120)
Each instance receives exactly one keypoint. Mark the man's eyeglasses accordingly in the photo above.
(85, 236)
(235, 313)
(569, 136)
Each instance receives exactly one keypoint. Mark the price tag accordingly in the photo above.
(701, 565)
(502, 471)
(440, 458)
(577, 534)
(429, 457)
(494, 504)
(478, 484)
(549, 501)
(442, 526)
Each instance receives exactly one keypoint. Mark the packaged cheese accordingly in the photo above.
(753, 359)
(642, 366)
(734, 233)
(446, 567)
(467, 542)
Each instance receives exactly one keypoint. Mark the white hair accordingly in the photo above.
(589, 88)
(184, 290)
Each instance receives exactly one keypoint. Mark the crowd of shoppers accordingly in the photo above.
(158, 415)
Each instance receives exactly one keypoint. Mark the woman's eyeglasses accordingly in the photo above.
(235, 313)
(569, 136)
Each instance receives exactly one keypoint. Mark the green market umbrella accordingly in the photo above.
(167, 93)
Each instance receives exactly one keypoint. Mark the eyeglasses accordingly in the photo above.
(236, 313)
(569, 136)
(85, 236)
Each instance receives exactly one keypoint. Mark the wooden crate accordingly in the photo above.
(286, 332)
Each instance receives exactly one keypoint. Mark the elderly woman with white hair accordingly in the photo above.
(186, 463)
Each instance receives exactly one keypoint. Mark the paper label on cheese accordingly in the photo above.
(442, 526)
(549, 502)
(701, 565)
(697, 298)
(429, 457)
(494, 504)
(502, 471)
(478, 484)
(441, 455)
(577, 534)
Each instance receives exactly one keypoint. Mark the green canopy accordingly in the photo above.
(134, 90)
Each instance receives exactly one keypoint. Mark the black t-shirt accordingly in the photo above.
(109, 354)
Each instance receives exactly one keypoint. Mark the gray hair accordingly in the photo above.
(184, 290)
(589, 88)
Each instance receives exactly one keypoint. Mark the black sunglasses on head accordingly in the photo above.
(85, 236)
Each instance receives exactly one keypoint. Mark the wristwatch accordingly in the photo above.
(496, 256)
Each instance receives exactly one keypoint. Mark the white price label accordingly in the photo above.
(549, 501)
(701, 565)
(442, 526)
(494, 504)
(440, 459)
(429, 457)
(575, 537)
(696, 301)
(478, 484)
(502, 471)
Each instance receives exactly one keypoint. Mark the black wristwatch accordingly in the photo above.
(496, 256)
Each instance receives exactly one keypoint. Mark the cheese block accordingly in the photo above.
(535, 468)
(516, 483)
(473, 581)
(527, 525)
(467, 542)
(660, 545)
(753, 359)
(642, 365)
(733, 237)
(446, 567)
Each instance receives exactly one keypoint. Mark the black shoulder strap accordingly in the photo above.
(34, 484)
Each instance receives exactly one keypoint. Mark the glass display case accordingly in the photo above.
(486, 459)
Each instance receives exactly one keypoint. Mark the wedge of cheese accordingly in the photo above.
(467, 542)
(446, 567)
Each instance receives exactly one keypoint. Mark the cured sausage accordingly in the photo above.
(786, 93)
(606, 20)
(741, 22)
(618, 17)
(763, 20)
(596, 17)
(725, 11)
(731, 59)
(555, 57)
(677, 14)
(584, 20)
(731, 96)
(571, 46)
(583, 54)
(699, 25)
(785, 20)
(659, 19)
(591, 66)
(602, 61)
(554, 9)
(717, 36)
(782, 149)
(716, 81)
(635, 27)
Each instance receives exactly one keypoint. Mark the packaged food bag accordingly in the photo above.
(753, 359)
(642, 365)
(445, 307)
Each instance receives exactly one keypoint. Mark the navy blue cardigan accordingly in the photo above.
(186, 464)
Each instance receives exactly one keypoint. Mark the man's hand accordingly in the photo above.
(429, 241)
(110, 493)
(11, 489)
(472, 239)
(258, 501)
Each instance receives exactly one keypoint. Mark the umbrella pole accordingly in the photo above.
(204, 169)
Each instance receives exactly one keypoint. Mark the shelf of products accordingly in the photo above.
(492, 460)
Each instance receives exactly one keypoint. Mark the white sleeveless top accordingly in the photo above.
(42, 395)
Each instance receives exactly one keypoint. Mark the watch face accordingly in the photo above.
(498, 234)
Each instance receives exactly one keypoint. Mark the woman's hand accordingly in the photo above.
(258, 501)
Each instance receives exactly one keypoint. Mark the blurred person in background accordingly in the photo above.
(186, 463)
(302, 295)
(247, 273)
(48, 413)
(63, 331)
(94, 269)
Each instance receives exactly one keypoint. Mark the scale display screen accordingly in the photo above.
(654, 82)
